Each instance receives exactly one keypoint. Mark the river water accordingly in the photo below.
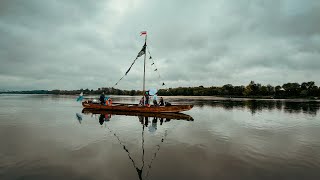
(48, 137)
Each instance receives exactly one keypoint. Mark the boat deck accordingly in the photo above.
(136, 107)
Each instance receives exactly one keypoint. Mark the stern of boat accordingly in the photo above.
(86, 104)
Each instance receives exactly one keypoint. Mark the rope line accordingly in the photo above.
(134, 61)
(139, 171)
(156, 68)
(155, 153)
(141, 52)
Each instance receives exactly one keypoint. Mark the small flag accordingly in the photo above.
(80, 98)
(143, 33)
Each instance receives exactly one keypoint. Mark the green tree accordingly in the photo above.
(292, 89)
(132, 92)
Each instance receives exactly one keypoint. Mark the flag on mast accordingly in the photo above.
(143, 33)
(143, 50)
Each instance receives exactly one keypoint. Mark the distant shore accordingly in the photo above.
(305, 90)
(183, 96)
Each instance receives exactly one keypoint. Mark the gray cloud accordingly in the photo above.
(85, 44)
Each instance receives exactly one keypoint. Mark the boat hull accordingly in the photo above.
(136, 108)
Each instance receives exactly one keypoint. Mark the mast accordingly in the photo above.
(144, 68)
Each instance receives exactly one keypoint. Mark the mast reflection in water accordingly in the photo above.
(147, 120)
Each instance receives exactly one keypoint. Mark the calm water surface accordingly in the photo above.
(48, 137)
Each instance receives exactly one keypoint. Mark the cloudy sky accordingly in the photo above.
(72, 44)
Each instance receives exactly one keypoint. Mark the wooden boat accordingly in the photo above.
(179, 116)
(135, 107)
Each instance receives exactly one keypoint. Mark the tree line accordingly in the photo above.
(253, 90)
(287, 90)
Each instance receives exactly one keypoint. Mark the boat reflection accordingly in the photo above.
(167, 116)
(147, 120)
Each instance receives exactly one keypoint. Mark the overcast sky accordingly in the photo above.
(72, 44)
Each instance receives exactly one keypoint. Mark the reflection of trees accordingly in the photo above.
(256, 105)
(304, 107)
(278, 105)
(310, 107)
(292, 107)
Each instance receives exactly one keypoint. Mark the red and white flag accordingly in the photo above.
(143, 33)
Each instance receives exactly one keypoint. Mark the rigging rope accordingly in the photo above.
(134, 61)
(139, 171)
(156, 68)
(142, 52)
(158, 147)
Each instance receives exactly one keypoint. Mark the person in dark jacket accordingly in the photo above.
(155, 100)
(102, 97)
(161, 103)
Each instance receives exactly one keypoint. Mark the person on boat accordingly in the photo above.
(146, 97)
(141, 102)
(161, 103)
(106, 100)
(155, 99)
(109, 102)
(102, 97)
